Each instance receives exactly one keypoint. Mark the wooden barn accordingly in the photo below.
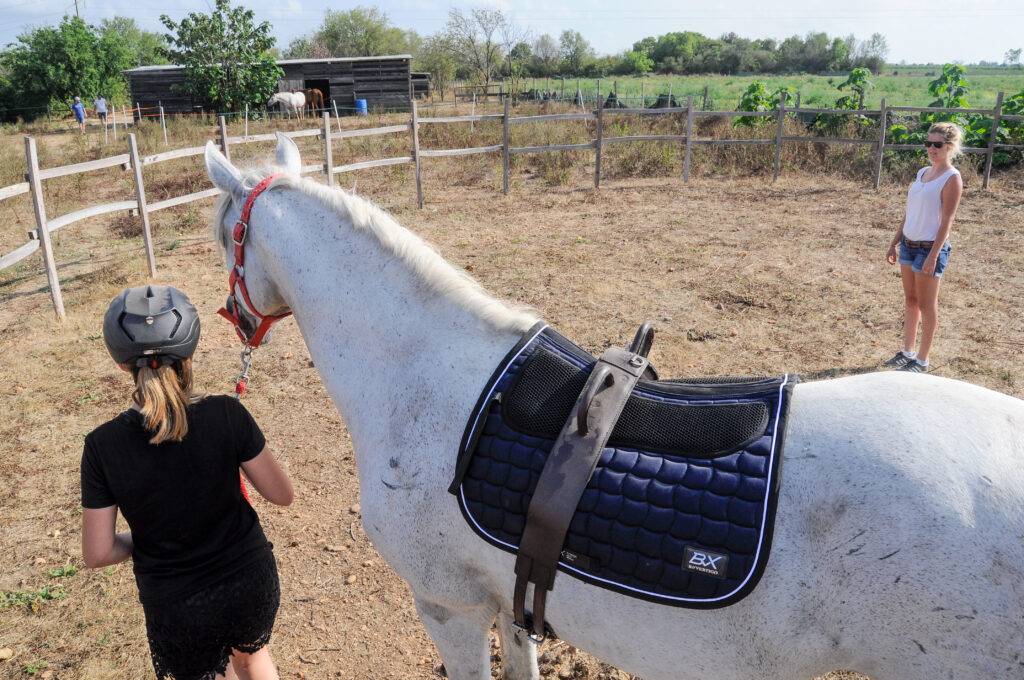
(384, 82)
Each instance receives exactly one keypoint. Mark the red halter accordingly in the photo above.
(236, 279)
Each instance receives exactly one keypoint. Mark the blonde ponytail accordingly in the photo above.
(162, 394)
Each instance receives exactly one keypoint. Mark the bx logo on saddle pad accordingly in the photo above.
(705, 561)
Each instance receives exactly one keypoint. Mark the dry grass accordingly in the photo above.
(740, 276)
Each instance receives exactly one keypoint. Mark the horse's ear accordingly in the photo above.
(287, 154)
(223, 175)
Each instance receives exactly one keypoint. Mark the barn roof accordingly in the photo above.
(280, 62)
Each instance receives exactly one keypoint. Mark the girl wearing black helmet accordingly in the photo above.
(205, 571)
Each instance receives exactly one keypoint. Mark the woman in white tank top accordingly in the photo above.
(921, 244)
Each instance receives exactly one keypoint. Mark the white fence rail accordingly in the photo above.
(39, 237)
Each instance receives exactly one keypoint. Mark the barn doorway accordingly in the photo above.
(321, 84)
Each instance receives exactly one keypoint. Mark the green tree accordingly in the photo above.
(437, 58)
(144, 47)
(225, 55)
(576, 52)
(363, 32)
(50, 66)
(637, 63)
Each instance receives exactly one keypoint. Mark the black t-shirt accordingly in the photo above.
(190, 524)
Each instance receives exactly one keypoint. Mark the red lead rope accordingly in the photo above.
(232, 311)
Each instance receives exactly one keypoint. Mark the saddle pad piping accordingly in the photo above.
(764, 543)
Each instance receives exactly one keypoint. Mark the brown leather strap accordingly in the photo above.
(566, 472)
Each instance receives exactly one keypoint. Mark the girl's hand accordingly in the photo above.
(929, 265)
(890, 256)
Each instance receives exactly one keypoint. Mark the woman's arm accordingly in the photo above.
(101, 546)
(951, 193)
(891, 255)
(268, 478)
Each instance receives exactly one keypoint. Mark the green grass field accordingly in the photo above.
(909, 88)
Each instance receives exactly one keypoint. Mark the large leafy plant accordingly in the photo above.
(757, 98)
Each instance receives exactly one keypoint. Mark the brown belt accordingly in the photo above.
(918, 244)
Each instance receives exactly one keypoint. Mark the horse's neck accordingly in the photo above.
(399, 359)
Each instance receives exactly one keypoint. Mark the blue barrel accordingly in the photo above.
(361, 109)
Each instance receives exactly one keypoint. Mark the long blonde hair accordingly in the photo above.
(162, 394)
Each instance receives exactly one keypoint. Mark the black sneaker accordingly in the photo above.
(899, 360)
(914, 366)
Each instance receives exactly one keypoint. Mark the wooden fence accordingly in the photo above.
(39, 238)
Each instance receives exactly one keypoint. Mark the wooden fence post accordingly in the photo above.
(688, 153)
(797, 99)
(778, 135)
(163, 123)
(140, 194)
(704, 104)
(328, 150)
(246, 132)
(415, 129)
(113, 119)
(224, 138)
(997, 113)
(337, 118)
(505, 134)
(883, 122)
(598, 141)
(36, 187)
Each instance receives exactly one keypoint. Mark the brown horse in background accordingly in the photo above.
(314, 99)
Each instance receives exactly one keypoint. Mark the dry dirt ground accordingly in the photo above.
(739, 275)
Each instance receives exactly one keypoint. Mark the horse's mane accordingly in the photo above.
(436, 272)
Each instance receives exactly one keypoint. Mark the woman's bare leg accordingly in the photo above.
(258, 666)
(912, 310)
(927, 287)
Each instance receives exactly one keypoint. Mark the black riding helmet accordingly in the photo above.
(151, 325)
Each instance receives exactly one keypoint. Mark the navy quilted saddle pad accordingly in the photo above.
(681, 505)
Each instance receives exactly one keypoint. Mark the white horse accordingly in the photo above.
(289, 102)
(899, 541)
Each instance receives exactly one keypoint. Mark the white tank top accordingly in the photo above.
(924, 206)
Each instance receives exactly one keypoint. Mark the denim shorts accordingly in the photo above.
(915, 257)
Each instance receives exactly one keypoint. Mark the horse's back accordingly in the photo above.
(903, 494)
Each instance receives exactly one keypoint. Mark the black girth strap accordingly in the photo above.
(565, 476)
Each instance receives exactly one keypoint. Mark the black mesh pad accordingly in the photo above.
(543, 396)
(681, 505)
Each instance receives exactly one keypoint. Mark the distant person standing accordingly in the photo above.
(78, 108)
(921, 245)
(100, 105)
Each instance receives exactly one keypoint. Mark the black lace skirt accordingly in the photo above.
(192, 638)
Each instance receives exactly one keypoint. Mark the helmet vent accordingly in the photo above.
(177, 322)
(120, 322)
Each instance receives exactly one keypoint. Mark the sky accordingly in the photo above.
(936, 31)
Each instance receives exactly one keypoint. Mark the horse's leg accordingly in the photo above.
(461, 636)
(518, 659)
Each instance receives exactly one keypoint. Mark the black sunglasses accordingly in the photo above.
(937, 145)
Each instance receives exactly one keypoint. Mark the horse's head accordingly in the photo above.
(256, 296)
(275, 100)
